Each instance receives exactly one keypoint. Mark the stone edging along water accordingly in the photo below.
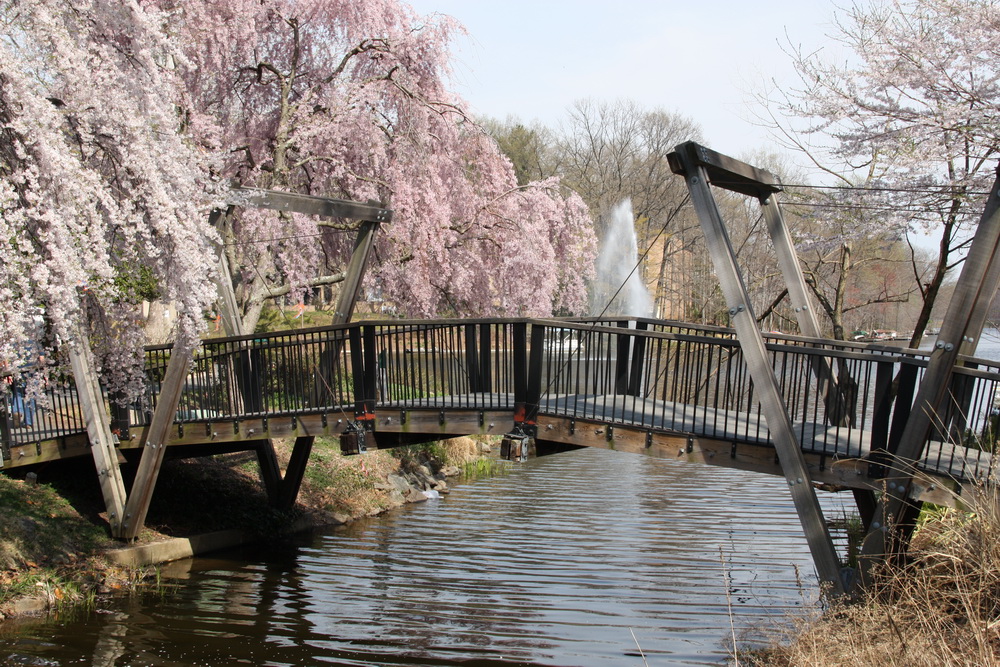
(177, 548)
(400, 488)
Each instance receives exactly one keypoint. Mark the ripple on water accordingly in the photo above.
(557, 562)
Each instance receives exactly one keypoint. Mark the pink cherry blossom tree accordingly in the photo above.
(126, 122)
(349, 99)
(101, 195)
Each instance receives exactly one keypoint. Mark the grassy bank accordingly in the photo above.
(53, 531)
(942, 607)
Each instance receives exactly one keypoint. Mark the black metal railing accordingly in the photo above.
(658, 375)
(29, 415)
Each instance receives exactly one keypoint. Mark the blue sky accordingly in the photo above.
(533, 59)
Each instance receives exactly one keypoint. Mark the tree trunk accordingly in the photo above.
(932, 288)
(837, 316)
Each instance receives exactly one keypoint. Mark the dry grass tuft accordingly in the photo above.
(460, 450)
(940, 608)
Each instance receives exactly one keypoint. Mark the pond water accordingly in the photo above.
(580, 558)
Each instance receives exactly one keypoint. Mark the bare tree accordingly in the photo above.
(614, 151)
(917, 108)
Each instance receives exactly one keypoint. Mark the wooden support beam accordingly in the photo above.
(295, 472)
(723, 171)
(519, 345)
(270, 471)
(472, 358)
(638, 361)
(372, 214)
(838, 410)
(976, 286)
(843, 475)
(98, 429)
(325, 207)
(485, 357)
(246, 385)
(342, 312)
(623, 365)
(350, 289)
(689, 159)
(229, 310)
(535, 390)
(346, 301)
(155, 443)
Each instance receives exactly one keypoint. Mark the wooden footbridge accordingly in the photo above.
(895, 427)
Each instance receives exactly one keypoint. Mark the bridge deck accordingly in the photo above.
(668, 389)
(837, 456)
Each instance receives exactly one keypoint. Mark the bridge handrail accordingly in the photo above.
(679, 362)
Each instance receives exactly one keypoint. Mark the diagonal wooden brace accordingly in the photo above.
(156, 442)
(689, 160)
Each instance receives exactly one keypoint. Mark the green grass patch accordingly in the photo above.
(484, 467)
(422, 453)
(40, 526)
(274, 319)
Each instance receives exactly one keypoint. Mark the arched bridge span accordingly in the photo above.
(664, 388)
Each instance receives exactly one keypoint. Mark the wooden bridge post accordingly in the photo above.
(838, 410)
(630, 358)
(623, 343)
(878, 455)
(638, 360)
(98, 430)
(155, 445)
(229, 310)
(527, 379)
(472, 358)
(485, 357)
(519, 345)
(533, 394)
(369, 385)
(975, 289)
(882, 408)
(692, 161)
